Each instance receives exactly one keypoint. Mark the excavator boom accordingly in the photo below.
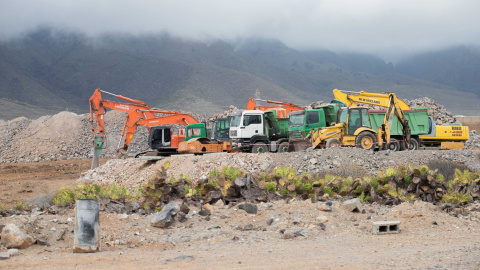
(289, 107)
(139, 114)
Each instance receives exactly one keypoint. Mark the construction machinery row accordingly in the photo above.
(280, 127)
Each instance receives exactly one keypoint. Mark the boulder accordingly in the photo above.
(325, 207)
(353, 205)
(164, 218)
(12, 237)
(249, 208)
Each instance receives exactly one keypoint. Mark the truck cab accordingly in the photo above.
(246, 127)
(257, 131)
(302, 122)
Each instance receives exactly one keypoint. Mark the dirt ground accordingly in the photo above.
(20, 182)
(230, 238)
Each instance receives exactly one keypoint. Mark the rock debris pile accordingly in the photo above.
(436, 110)
(130, 173)
(473, 140)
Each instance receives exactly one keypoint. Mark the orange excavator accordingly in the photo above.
(139, 114)
(279, 107)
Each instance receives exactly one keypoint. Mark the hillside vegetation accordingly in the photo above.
(53, 71)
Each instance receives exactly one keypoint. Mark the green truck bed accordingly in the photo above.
(417, 120)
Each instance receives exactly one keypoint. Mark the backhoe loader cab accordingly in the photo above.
(353, 128)
(355, 117)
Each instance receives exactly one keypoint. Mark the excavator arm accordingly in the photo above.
(98, 106)
(289, 107)
(377, 99)
(139, 114)
(136, 118)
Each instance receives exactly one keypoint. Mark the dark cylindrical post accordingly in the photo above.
(87, 226)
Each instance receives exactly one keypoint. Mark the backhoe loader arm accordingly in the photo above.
(394, 107)
(377, 99)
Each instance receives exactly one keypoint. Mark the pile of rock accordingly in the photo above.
(315, 104)
(473, 140)
(228, 112)
(436, 110)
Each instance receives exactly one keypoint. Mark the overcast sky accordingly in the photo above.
(383, 27)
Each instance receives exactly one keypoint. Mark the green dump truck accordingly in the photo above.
(302, 122)
(419, 123)
(258, 132)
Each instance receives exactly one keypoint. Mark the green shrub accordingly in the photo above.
(271, 186)
(64, 197)
(457, 197)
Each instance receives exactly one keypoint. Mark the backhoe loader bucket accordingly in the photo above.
(298, 141)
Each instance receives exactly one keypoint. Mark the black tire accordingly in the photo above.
(394, 145)
(332, 142)
(366, 140)
(413, 145)
(283, 147)
(259, 147)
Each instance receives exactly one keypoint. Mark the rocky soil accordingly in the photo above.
(300, 234)
(339, 161)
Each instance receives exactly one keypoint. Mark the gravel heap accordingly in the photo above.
(436, 110)
(473, 140)
(132, 172)
(65, 135)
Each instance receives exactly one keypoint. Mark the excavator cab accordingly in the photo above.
(221, 128)
(159, 137)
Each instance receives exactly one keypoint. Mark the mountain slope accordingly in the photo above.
(458, 67)
(53, 70)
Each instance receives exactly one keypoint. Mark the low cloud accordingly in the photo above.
(380, 27)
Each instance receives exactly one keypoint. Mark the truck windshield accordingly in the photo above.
(236, 120)
(296, 120)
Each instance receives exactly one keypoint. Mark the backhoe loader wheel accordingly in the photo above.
(283, 148)
(413, 145)
(259, 147)
(332, 142)
(366, 140)
(394, 145)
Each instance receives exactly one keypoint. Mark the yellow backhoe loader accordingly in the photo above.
(353, 128)
(425, 133)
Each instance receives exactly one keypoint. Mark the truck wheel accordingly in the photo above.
(283, 148)
(413, 144)
(332, 142)
(394, 145)
(365, 140)
(259, 147)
